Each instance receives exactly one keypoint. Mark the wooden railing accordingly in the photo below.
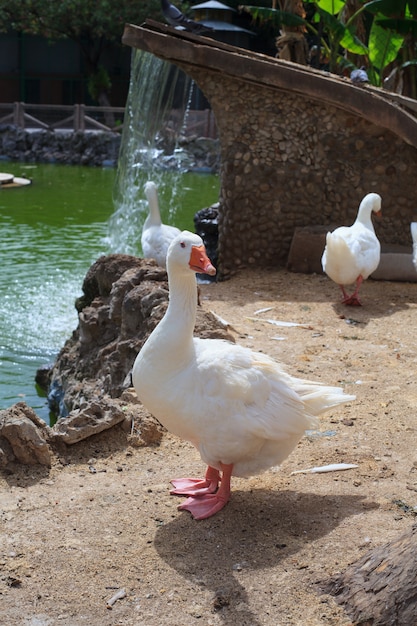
(82, 117)
(54, 117)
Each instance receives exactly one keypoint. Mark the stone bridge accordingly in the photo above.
(299, 147)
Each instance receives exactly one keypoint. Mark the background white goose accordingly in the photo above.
(239, 408)
(413, 227)
(156, 236)
(352, 253)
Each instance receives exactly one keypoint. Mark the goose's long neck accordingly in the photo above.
(414, 233)
(364, 216)
(154, 217)
(179, 321)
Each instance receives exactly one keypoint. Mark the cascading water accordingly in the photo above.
(156, 109)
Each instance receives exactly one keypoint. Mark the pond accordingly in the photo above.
(51, 232)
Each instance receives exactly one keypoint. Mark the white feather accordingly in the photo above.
(321, 469)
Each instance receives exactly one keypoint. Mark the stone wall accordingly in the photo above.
(97, 148)
(94, 148)
(290, 161)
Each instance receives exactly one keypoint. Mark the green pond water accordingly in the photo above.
(50, 234)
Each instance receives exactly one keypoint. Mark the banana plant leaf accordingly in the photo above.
(401, 26)
(331, 6)
(276, 17)
(387, 7)
(384, 46)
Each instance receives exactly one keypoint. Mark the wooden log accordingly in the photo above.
(381, 588)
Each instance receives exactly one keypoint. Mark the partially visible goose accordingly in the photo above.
(352, 253)
(413, 227)
(241, 411)
(156, 236)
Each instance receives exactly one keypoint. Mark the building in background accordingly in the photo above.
(39, 71)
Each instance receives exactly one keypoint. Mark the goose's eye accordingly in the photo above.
(182, 244)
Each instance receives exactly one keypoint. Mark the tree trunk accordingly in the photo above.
(381, 588)
(291, 44)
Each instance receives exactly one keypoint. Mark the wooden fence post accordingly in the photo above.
(19, 114)
(81, 117)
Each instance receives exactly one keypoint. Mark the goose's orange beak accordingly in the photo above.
(199, 261)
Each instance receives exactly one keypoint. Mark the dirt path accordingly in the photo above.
(71, 537)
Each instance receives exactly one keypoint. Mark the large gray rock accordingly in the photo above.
(23, 437)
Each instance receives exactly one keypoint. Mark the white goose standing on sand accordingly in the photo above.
(241, 411)
(352, 253)
(413, 227)
(156, 236)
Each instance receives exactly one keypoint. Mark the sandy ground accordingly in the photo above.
(73, 536)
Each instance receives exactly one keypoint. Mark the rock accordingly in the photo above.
(380, 588)
(396, 263)
(307, 248)
(206, 224)
(93, 148)
(23, 437)
(87, 421)
(102, 275)
(42, 377)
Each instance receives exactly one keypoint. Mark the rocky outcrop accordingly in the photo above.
(124, 298)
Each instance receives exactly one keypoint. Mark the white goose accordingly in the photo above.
(241, 411)
(413, 227)
(156, 236)
(352, 253)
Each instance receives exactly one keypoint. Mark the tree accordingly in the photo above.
(92, 24)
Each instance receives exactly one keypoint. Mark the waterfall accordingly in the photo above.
(157, 104)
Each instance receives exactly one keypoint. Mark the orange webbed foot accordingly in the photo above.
(206, 503)
(197, 486)
(202, 507)
(192, 486)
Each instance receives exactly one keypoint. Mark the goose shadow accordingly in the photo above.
(256, 530)
(397, 297)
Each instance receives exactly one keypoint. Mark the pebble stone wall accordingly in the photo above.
(288, 161)
(64, 146)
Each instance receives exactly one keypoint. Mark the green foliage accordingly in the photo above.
(75, 18)
(392, 22)
(384, 46)
(333, 7)
(336, 34)
(392, 7)
(98, 83)
(92, 24)
(276, 17)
